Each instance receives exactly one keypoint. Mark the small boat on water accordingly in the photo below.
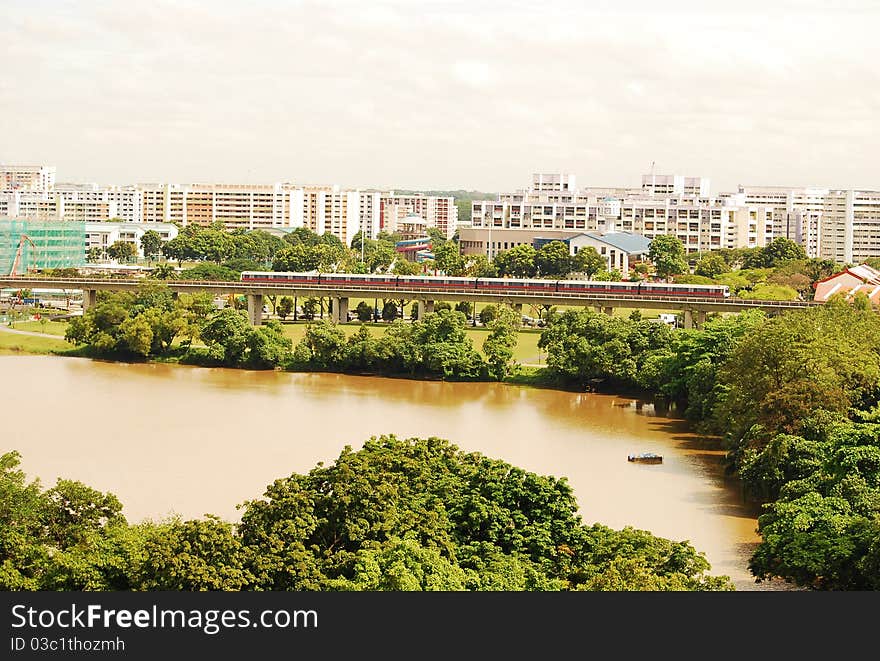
(645, 458)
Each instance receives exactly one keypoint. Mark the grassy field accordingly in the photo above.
(13, 343)
(51, 327)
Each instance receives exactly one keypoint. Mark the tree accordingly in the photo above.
(94, 254)
(227, 332)
(163, 272)
(268, 347)
(361, 351)
(177, 249)
(310, 308)
(136, 335)
(667, 254)
(389, 311)
(380, 258)
(553, 260)
(285, 307)
(122, 251)
(479, 266)
(781, 250)
(420, 514)
(488, 314)
(582, 346)
(327, 255)
(711, 266)
(501, 342)
(817, 269)
(213, 244)
(299, 257)
(151, 244)
(210, 272)
(364, 311)
(519, 261)
(826, 358)
(438, 238)
(406, 267)
(324, 345)
(588, 261)
(302, 235)
(448, 258)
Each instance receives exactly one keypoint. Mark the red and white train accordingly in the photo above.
(415, 283)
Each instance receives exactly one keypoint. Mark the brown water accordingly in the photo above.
(171, 439)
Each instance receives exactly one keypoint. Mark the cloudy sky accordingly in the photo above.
(443, 93)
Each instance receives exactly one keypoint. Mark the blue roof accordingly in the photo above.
(628, 242)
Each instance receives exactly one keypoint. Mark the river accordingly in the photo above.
(169, 439)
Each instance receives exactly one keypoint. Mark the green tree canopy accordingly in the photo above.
(553, 260)
(519, 261)
(122, 251)
(667, 254)
(588, 261)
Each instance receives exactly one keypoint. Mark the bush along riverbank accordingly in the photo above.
(446, 520)
(794, 399)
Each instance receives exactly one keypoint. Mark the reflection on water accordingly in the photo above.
(173, 439)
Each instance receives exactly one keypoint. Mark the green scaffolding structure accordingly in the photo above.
(44, 245)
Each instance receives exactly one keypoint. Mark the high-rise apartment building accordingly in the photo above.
(27, 177)
(666, 204)
(436, 211)
(841, 225)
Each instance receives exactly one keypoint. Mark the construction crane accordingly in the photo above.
(17, 259)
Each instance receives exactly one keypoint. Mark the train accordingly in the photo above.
(488, 285)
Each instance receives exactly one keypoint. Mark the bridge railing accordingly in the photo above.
(85, 283)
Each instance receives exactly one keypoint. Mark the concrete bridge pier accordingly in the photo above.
(694, 318)
(425, 307)
(517, 307)
(90, 297)
(255, 308)
(340, 309)
(608, 310)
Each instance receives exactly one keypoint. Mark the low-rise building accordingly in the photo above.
(850, 281)
(104, 235)
(619, 249)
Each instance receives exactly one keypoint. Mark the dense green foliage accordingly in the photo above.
(149, 322)
(823, 528)
(232, 342)
(583, 346)
(143, 323)
(793, 397)
(667, 254)
(436, 346)
(416, 514)
(122, 251)
(216, 244)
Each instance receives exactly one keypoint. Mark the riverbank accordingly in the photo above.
(194, 441)
(27, 342)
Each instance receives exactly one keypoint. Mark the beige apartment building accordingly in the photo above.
(841, 225)
(665, 205)
(27, 177)
(341, 212)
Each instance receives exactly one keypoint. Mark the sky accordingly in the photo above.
(443, 94)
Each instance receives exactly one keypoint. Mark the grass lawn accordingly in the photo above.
(51, 327)
(13, 343)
